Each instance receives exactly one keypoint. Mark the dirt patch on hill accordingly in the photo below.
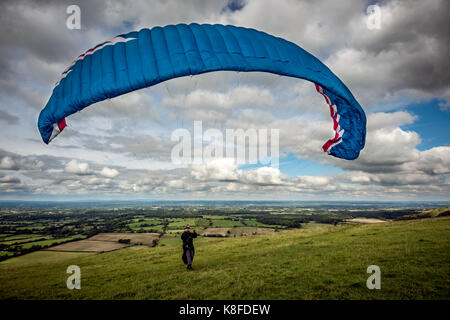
(365, 220)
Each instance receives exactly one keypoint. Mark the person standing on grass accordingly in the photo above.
(188, 246)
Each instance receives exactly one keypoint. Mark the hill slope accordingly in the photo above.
(321, 263)
(432, 213)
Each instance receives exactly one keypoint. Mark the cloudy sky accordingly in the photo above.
(121, 148)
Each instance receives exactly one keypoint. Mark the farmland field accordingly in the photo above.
(151, 225)
(104, 242)
(174, 231)
(46, 242)
(247, 231)
(88, 246)
(135, 238)
(222, 232)
(310, 263)
(20, 237)
(169, 239)
(225, 223)
(24, 239)
(254, 223)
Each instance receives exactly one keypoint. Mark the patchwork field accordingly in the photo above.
(104, 242)
(135, 238)
(88, 246)
(17, 243)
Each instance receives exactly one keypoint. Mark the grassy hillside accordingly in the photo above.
(317, 263)
(433, 213)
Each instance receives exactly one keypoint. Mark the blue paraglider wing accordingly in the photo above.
(141, 59)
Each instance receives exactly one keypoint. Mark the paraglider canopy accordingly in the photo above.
(141, 59)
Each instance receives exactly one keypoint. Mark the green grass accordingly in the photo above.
(316, 263)
(315, 225)
(43, 257)
(168, 239)
(247, 231)
(175, 239)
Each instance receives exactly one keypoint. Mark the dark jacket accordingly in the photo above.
(188, 244)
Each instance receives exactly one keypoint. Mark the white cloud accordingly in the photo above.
(76, 167)
(435, 161)
(392, 120)
(7, 163)
(224, 169)
(109, 173)
(263, 176)
(212, 99)
(20, 163)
